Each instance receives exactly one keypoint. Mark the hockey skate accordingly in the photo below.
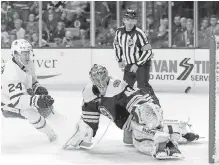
(49, 132)
(167, 151)
(52, 136)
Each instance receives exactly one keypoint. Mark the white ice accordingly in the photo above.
(19, 137)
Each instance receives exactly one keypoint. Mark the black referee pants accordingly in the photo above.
(142, 77)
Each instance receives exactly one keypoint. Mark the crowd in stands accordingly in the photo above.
(67, 24)
(182, 30)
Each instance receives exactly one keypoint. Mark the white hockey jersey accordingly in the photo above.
(15, 82)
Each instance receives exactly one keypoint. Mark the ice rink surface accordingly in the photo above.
(19, 137)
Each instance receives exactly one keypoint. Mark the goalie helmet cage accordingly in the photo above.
(214, 100)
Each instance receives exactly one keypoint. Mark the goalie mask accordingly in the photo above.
(21, 50)
(99, 77)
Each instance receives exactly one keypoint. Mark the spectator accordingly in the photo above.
(6, 15)
(57, 44)
(104, 12)
(71, 6)
(33, 8)
(177, 25)
(57, 12)
(64, 19)
(207, 31)
(204, 25)
(79, 20)
(68, 39)
(151, 29)
(4, 12)
(183, 21)
(164, 21)
(4, 36)
(59, 31)
(214, 28)
(20, 32)
(4, 7)
(55, 8)
(12, 37)
(162, 36)
(189, 34)
(202, 34)
(11, 17)
(45, 32)
(163, 33)
(48, 11)
(110, 36)
(31, 25)
(35, 40)
(51, 24)
(23, 8)
(186, 39)
(150, 23)
(15, 16)
(106, 38)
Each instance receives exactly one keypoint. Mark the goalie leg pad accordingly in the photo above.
(154, 143)
(146, 140)
(149, 114)
(83, 133)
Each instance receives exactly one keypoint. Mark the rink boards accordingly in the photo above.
(172, 69)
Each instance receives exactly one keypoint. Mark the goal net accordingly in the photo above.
(214, 101)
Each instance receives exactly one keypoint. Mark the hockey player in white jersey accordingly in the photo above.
(130, 109)
(22, 95)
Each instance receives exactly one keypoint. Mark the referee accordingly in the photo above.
(133, 53)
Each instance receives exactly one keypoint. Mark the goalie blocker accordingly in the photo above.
(130, 109)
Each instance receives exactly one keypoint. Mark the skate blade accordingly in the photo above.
(176, 156)
(70, 147)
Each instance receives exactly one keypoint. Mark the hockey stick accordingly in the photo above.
(87, 145)
(91, 145)
(10, 109)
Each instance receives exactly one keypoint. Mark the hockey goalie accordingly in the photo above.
(130, 109)
(22, 95)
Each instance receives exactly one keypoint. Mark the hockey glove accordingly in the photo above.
(45, 112)
(41, 101)
(41, 91)
(191, 136)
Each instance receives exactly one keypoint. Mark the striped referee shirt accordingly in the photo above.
(132, 45)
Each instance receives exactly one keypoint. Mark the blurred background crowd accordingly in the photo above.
(68, 23)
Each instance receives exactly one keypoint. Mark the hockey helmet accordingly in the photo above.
(131, 14)
(21, 45)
